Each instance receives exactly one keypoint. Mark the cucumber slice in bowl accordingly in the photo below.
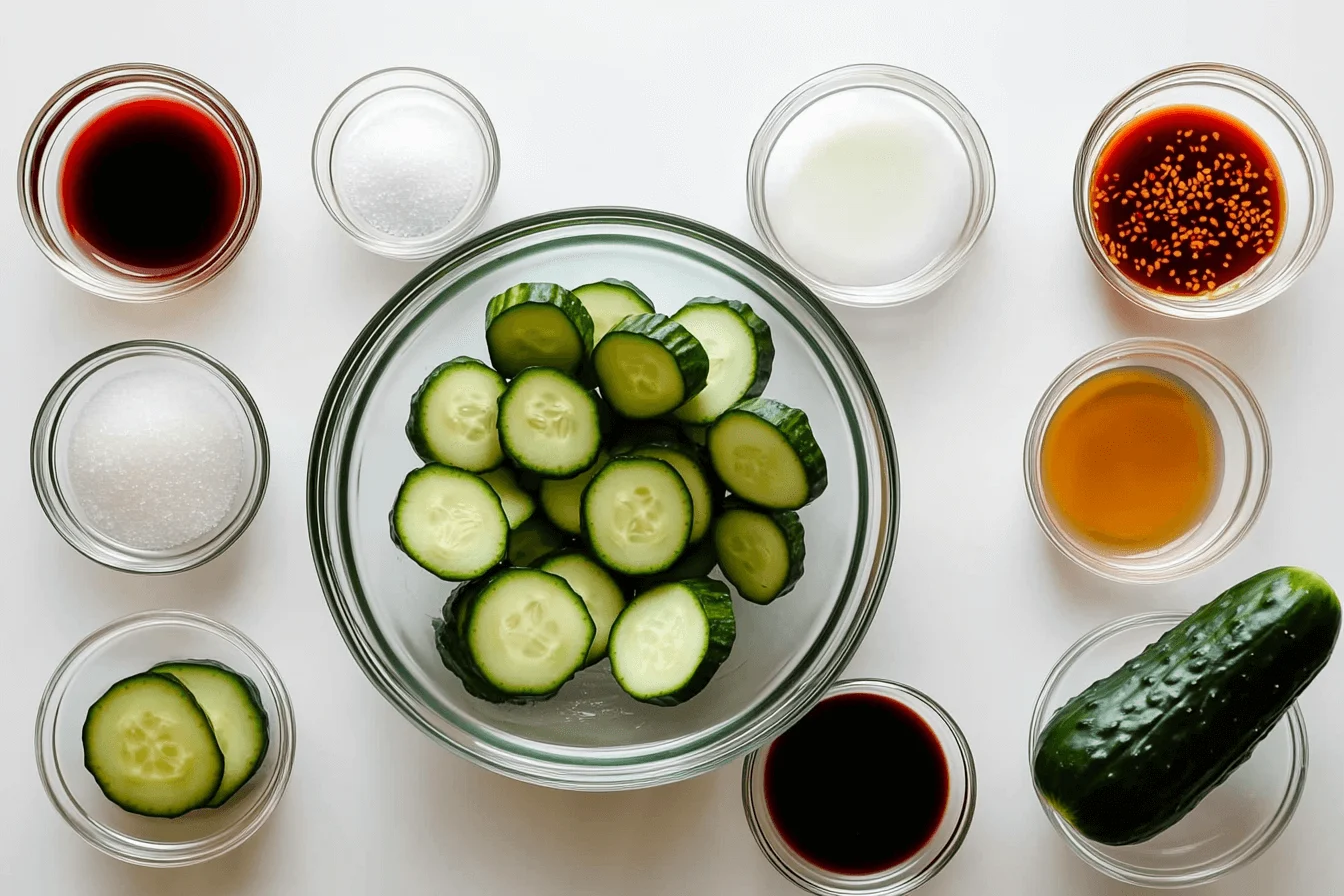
(549, 424)
(764, 451)
(533, 541)
(150, 747)
(562, 499)
(648, 365)
(760, 552)
(453, 416)
(601, 595)
(450, 639)
(233, 705)
(741, 355)
(667, 643)
(698, 561)
(704, 488)
(537, 325)
(518, 504)
(450, 522)
(637, 515)
(609, 302)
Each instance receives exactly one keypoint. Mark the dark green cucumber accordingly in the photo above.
(1131, 755)
(450, 639)
(764, 451)
(537, 325)
(667, 643)
(533, 541)
(741, 355)
(760, 551)
(649, 365)
(698, 561)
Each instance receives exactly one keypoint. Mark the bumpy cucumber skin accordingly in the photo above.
(414, 428)
(1131, 755)
(717, 603)
(765, 349)
(544, 294)
(789, 526)
(451, 642)
(677, 340)
(797, 431)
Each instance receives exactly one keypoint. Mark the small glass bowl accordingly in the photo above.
(64, 117)
(1230, 827)
(126, 647)
(937, 98)
(1244, 436)
(1283, 126)
(347, 107)
(51, 443)
(920, 868)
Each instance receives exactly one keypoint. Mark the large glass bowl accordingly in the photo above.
(591, 736)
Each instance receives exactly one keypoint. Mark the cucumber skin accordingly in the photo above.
(544, 294)
(792, 528)
(452, 645)
(396, 505)
(701, 460)
(413, 427)
(717, 603)
(604, 417)
(689, 354)
(1121, 763)
(794, 426)
(765, 346)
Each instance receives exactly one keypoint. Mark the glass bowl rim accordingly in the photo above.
(1263, 840)
(115, 844)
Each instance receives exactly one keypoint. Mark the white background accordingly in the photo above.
(655, 104)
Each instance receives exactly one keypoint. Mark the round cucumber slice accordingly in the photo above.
(562, 499)
(537, 325)
(528, 632)
(667, 643)
(761, 553)
(704, 492)
(549, 424)
(741, 355)
(648, 365)
(601, 595)
(453, 416)
(637, 515)
(450, 522)
(764, 451)
(611, 301)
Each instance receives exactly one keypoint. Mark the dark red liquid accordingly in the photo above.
(152, 185)
(858, 786)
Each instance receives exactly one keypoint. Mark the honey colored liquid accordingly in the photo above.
(1132, 459)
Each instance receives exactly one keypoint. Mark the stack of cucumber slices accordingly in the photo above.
(182, 736)
(575, 487)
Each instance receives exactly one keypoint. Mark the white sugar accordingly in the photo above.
(408, 162)
(156, 459)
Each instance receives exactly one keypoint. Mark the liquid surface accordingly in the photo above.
(1186, 199)
(1132, 459)
(859, 786)
(151, 185)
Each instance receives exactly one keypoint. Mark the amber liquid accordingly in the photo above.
(1132, 459)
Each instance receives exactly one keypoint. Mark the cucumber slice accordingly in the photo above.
(450, 522)
(537, 325)
(609, 302)
(649, 365)
(741, 355)
(764, 452)
(233, 704)
(601, 595)
(562, 499)
(518, 504)
(549, 424)
(533, 541)
(149, 745)
(760, 552)
(528, 632)
(450, 639)
(637, 515)
(667, 643)
(705, 491)
(453, 416)
(697, 562)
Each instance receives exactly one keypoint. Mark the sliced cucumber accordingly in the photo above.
(601, 595)
(698, 561)
(518, 504)
(562, 499)
(528, 632)
(637, 515)
(741, 355)
(609, 302)
(703, 486)
(450, 639)
(149, 745)
(667, 643)
(533, 541)
(537, 325)
(649, 365)
(760, 552)
(450, 522)
(453, 416)
(764, 452)
(549, 424)
(233, 704)
(633, 433)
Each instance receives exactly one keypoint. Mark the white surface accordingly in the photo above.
(655, 105)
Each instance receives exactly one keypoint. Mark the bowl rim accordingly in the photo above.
(676, 762)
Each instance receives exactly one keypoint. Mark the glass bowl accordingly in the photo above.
(367, 103)
(64, 117)
(51, 446)
(1244, 436)
(1283, 126)
(1230, 827)
(592, 736)
(806, 100)
(126, 647)
(920, 868)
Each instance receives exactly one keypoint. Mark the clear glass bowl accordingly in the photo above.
(51, 446)
(1230, 827)
(591, 736)
(1244, 437)
(920, 868)
(64, 117)
(126, 647)
(944, 104)
(1283, 126)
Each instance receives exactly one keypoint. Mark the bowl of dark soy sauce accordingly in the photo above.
(872, 792)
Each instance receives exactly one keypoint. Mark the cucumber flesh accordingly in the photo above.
(562, 499)
(741, 355)
(611, 301)
(453, 416)
(549, 424)
(698, 561)
(704, 493)
(518, 504)
(528, 632)
(450, 522)
(637, 515)
(648, 365)
(537, 325)
(667, 643)
(760, 552)
(764, 451)
(450, 639)
(601, 595)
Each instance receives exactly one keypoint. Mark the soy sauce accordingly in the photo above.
(151, 185)
(859, 786)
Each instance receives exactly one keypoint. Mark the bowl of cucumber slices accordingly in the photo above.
(603, 499)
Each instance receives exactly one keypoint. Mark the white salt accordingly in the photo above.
(408, 161)
(156, 459)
